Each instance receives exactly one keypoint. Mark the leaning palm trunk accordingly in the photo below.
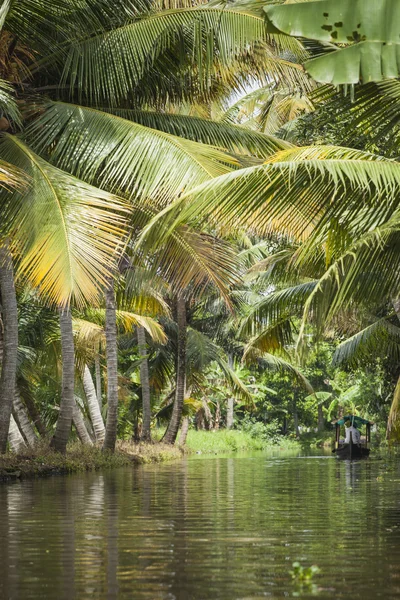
(231, 400)
(21, 417)
(173, 426)
(97, 369)
(112, 370)
(93, 405)
(64, 421)
(10, 343)
(145, 385)
(80, 426)
(17, 442)
(184, 431)
(35, 416)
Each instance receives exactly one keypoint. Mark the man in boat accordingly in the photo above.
(351, 428)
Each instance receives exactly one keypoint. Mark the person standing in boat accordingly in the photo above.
(351, 428)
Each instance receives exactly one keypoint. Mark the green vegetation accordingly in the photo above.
(204, 442)
(195, 234)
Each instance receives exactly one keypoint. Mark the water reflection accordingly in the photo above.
(220, 528)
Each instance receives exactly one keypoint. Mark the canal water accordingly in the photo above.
(205, 528)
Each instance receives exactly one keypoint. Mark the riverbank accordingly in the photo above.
(43, 462)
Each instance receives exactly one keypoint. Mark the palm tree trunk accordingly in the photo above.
(184, 431)
(64, 421)
(21, 417)
(10, 343)
(93, 405)
(173, 426)
(80, 426)
(145, 385)
(35, 416)
(112, 369)
(217, 416)
(97, 369)
(17, 442)
(231, 400)
(321, 421)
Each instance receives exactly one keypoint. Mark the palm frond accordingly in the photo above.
(65, 232)
(123, 155)
(276, 363)
(270, 339)
(226, 136)
(381, 337)
(297, 191)
(8, 105)
(277, 307)
(110, 64)
(367, 273)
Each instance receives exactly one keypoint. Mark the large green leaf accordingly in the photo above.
(64, 232)
(367, 31)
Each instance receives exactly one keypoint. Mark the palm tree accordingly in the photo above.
(180, 389)
(145, 384)
(10, 343)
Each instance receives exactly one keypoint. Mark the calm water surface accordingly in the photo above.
(205, 528)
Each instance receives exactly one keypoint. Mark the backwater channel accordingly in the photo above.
(205, 528)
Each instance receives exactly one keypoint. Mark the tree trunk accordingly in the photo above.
(145, 385)
(21, 417)
(10, 343)
(97, 369)
(231, 400)
(173, 425)
(17, 442)
(64, 421)
(35, 416)
(321, 420)
(217, 416)
(295, 419)
(93, 405)
(207, 415)
(112, 369)
(184, 431)
(80, 426)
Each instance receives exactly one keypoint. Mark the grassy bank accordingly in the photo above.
(223, 440)
(43, 462)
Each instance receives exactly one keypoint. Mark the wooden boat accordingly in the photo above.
(351, 450)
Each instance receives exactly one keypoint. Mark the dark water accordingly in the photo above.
(208, 528)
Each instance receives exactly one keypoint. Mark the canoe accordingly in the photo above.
(352, 452)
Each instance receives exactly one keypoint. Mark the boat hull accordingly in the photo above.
(352, 453)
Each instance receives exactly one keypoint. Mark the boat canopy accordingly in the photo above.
(354, 419)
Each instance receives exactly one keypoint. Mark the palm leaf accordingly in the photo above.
(123, 155)
(381, 337)
(92, 332)
(66, 232)
(276, 363)
(293, 192)
(110, 64)
(228, 137)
